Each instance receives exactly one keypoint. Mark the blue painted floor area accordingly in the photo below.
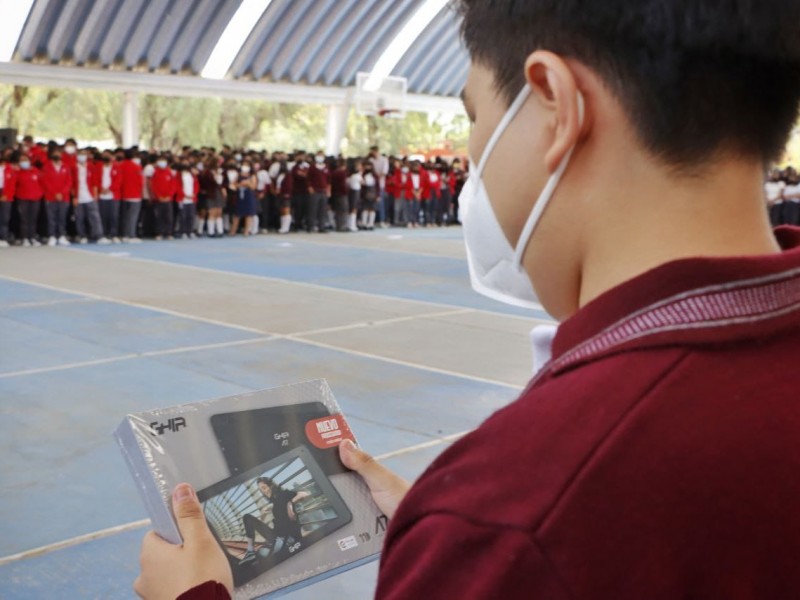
(63, 476)
(390, 273)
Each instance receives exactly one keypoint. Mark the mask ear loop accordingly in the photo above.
(547, 194)
(512, 112)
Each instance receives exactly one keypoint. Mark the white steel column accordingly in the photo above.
(130, 120)
(336, 127)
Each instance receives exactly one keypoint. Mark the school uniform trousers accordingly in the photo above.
(165, 218)
(131, 209)
(57, 218)
(88, 211)
(28, 215)
(317, 211)
(791, 212)
(109, 215)
(5, 218)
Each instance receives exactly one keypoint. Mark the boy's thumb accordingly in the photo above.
(188, 513)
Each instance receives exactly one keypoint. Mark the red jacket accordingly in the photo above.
(179, 186)
(434, 184)
(9, 182)
(29, 184)
(132, 186)
(56, 181)
(424, 185)
(655, 456)
(164, 184)
(91, 180)
(116, 179)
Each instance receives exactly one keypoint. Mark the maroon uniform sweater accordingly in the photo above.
(656, 456)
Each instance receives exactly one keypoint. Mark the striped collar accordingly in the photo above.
(691, 301)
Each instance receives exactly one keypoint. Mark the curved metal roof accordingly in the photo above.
(313, 42)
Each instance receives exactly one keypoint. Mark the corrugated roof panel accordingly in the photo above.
(324, 42)
(352, 51)
(93, 30)
(319, 42)
(120, 31)
(174, 19)
(212, 33)
(309, 27)
(144, 32)
(281, 32)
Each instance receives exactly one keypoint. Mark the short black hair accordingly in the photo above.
(698, 78)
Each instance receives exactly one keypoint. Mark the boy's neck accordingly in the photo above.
(649, 217)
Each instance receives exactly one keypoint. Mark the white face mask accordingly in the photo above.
(138, 161)
(24, 165)
(495, 267)
(162, 164)
(82, 159)
(69, 149)
(245, 170)
(319, 159)
(201, 167)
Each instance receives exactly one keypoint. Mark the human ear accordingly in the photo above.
(553, 85)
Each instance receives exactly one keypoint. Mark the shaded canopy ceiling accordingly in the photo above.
(313, 42)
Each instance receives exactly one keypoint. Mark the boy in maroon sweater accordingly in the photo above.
(656, 453)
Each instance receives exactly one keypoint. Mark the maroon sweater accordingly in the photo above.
(656, 456)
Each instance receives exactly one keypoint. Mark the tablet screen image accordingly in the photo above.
(272, 512)
(248, 438)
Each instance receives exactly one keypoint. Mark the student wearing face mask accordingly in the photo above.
(339, 194)
(246, 205)
(282, 187)
(70, 154)
(86, 187)
(57, 185)
(369, 196)
(261, 222)
(164, 185)
(8, 178)
(319, 190)
(110, 184)
(654, 454)
(212, 182)
(189, 190)
(416, 189)
(400, 186)
(232, 193)
(433, 195)
(29, 192)
(355, 183)
(132, 192)
(301, 189)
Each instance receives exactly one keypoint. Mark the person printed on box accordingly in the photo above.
(282, 188)
(29, 193)
(132, 191)
(285, 523)
(57, 184)
(355, 183)
(369, 197)
(212, 181)
(110, 186)
(246, 204)
(164, 184)
(189, 189)
(319, 190)
(84, 200)
(8, 177)
(339, 194)
(654, 454)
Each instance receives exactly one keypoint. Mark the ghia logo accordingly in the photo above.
(173, 425)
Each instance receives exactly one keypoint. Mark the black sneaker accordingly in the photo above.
(249, 556)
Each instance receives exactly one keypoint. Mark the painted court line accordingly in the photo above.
(46, 303)
(103, 533)
(124, 357)
(388, 250)
(375, 323)
(290, 337)
(315, 286)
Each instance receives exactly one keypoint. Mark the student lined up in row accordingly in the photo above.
(63, 192)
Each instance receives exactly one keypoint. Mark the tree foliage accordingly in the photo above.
(93, 116)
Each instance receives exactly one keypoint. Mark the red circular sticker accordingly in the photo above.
(328, 432)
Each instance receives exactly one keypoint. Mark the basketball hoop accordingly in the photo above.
(383, 97)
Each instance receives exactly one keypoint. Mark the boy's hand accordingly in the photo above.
(388, 489)
(168, 570)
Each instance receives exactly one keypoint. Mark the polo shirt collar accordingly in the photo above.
(685, 301)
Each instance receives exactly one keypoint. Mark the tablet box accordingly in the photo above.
(266, 468)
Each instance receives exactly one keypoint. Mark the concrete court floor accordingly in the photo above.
(415, 358)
